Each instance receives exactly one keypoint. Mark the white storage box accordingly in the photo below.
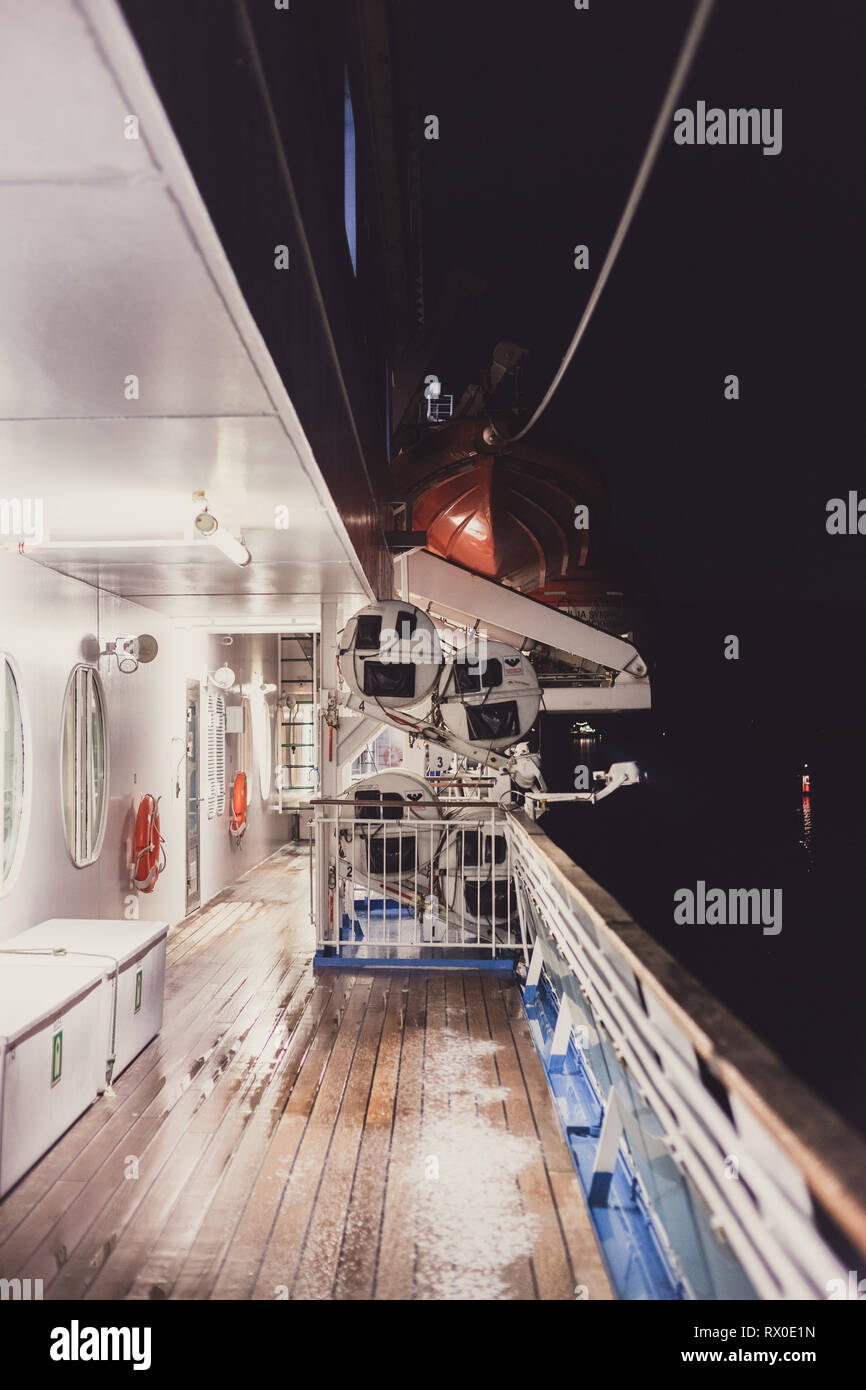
(52, 1055)
(139, 950)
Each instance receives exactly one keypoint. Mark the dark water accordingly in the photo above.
(724, 804)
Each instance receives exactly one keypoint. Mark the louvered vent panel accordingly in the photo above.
(220, 753)
(211, 770)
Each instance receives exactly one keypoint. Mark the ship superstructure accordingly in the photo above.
(297, 999)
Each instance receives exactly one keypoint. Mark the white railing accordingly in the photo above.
(396, 879)
(727, 1146)
(751, 1185)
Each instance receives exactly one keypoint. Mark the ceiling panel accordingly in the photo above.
(100, 283)
(62, 110)
(227, 613)
(110, 268)
(200, 571)
(115, 479)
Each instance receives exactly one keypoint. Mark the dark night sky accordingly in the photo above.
(736, 262)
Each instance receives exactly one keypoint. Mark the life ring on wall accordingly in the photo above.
(148, 859)
(238, 823)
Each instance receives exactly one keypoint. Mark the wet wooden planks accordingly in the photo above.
(311, 1134)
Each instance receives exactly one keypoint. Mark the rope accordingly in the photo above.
(678, 78)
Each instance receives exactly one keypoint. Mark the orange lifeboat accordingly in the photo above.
(506, 511)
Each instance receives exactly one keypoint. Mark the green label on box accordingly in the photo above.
(56, 1056)
(138, 991)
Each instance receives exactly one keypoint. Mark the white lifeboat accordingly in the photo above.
(383, 856)
(489, 696)
(390, 655)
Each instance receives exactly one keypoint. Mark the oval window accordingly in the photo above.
(263, 744)
(84, 765)
(13, 774)
(247, 742)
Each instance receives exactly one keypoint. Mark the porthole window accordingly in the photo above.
(14, 773)
(84, 765)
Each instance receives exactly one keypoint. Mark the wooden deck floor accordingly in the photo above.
(310, 1134)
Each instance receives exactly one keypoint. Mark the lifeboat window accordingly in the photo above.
(392, 812)
(394, 679)
(216, 753)
(483, 899)
(486, 722)
(391, 856)
(367, 812)
(477, 675)
(84, 765)
(369, 633)
(13, 773)
(405, 625)
(491, 844)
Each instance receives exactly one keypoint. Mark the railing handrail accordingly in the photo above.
(441, 917)
(828, 1154)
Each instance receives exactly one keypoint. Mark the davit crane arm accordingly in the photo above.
(448, 594)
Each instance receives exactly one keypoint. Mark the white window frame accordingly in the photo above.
(8, 664)
(87, 836)
(263, 746)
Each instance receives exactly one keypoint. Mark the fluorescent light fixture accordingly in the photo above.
(207, 526)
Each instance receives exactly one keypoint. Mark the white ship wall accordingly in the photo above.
(43, 618)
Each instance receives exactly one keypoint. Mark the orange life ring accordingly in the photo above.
(148, 859)
(238, 822)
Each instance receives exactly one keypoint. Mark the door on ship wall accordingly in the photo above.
(193, 798)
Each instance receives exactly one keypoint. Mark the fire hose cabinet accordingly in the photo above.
(52, 1055)
(131, 956)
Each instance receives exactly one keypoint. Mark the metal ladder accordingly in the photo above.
(298, 733)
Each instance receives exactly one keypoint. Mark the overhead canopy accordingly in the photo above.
(131, 371)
